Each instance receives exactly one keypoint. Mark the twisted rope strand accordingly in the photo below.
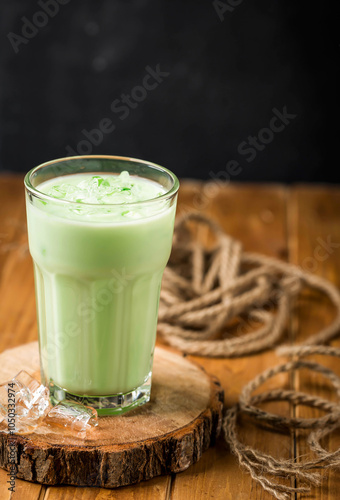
(203, 290)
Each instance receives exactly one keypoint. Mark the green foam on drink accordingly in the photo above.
(102, 189)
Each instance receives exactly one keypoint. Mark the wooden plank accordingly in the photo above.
(257, 217)
(11, 210)
(155, 489)
(314, 224)
(23, 489)
(17, 304)
(5, 494)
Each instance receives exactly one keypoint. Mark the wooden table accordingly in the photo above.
(300, 224)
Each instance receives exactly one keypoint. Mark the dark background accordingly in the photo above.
(225, 78)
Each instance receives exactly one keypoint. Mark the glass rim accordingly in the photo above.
(39, 194)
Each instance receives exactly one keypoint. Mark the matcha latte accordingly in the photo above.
(100, 232)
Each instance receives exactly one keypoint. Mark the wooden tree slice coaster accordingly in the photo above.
(166, 435)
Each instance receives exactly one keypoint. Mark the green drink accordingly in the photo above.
(100, 232)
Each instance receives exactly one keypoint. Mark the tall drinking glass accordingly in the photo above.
(98, 267)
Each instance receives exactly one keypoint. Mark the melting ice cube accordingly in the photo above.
(24, 401)
(24, 405)
(72, 416)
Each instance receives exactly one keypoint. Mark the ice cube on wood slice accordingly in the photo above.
(24, 402)
(72, 416)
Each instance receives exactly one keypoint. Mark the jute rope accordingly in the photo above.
(264, 468)
(205, 291)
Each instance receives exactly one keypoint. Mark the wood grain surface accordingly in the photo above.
(289, 223)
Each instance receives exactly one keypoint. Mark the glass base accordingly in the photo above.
(114, 404)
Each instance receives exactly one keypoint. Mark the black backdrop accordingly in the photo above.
(237, 88)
